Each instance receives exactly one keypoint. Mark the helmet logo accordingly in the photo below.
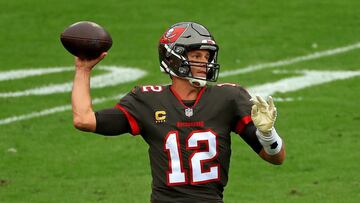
(172, 35)
(169, 33)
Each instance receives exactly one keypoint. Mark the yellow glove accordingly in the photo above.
(263, 114)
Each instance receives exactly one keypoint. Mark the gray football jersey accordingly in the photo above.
(189, 147)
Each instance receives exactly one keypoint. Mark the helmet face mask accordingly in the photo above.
(211, 70)
(182, 38)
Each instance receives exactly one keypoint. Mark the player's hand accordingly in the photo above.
(263, 114)
(88, 65)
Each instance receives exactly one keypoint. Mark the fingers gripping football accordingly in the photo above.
(88, 64)
(263, 114)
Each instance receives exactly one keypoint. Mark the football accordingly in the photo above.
(86, 40)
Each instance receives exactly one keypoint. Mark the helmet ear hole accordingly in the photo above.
(179, 50)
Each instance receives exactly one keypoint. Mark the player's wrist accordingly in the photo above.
(266, 132)
(270, 141)
(83, 69)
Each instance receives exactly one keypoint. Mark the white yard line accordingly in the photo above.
(52, 110)
(307, 78)
(17, 74)
(114, 75)
(285, 62)
(247, 69)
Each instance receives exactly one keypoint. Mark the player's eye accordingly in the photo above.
(207, 57)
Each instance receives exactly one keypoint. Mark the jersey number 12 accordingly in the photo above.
(176, 175)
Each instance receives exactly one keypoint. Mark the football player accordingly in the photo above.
(187, 124)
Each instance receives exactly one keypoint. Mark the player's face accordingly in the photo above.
(198, 69)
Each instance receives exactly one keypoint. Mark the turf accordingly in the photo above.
(45, 159)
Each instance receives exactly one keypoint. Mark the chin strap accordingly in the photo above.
(196, 82)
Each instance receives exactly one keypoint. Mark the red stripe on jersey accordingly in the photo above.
(180, 100)
(135, 130)
(199, 95)
(242, 123)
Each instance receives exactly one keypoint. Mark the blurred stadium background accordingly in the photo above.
(44, 159)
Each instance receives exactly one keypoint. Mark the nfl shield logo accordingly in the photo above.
(189, 112)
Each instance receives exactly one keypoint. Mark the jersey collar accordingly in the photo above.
(180, 100)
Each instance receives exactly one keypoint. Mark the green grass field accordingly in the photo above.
(45, 159)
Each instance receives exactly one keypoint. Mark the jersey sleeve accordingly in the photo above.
(243, 122)
(242, 105)
(111, 122)
(249, 136)
(129, 105)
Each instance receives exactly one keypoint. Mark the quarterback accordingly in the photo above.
(186, 124)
